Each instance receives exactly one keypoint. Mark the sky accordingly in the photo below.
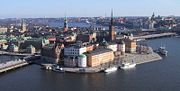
(87, 8)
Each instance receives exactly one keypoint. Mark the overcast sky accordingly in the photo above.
(60, 8)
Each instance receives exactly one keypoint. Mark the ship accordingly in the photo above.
(163, 51)
(111, 69)
(128, 65)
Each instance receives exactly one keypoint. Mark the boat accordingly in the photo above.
(163, 51)
(128, 65)
(56, 68)
(111, 69)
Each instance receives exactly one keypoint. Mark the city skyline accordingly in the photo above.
(82, 8)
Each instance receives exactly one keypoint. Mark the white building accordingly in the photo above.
(112, 47)
(74, 51)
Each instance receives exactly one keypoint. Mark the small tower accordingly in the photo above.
(65, 29)
(112, 34)
(23, 27)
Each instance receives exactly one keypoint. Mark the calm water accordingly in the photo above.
(155, 76)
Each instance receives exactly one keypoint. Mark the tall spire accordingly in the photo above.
(112, 34)
(112, 17)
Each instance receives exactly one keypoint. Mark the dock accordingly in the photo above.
(10, 65)
(141, 58)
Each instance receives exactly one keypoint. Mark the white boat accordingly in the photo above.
(56, 68)
(128, 65)
(163, 51)
(111, 69)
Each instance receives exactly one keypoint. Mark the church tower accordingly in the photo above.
(112, 34)
(152, 21)
(65, 25)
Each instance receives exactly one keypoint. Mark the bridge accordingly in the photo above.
(12, 65)
(152, 36)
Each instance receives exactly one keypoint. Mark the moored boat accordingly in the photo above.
(111, 69)
(163, 51)
(128, 65)
(56, 68)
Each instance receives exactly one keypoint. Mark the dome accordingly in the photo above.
(82, 56)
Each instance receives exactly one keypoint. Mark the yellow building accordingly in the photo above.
(130, 45)
(100, 56)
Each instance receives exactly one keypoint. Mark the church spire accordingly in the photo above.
(112, 17)
(111, 28)
(65, 24)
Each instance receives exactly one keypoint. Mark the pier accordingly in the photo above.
(10, 65)
(153, 36)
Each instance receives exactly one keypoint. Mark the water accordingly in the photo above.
(75, 24)
(155, 76)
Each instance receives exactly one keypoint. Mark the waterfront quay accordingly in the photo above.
(141, 58)
(127, 58)
(12, 65)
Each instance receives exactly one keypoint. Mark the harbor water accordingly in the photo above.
(161, 75)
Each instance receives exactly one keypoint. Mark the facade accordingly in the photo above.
(112, 46)
(3, 30)
(87, 37)
(31, 49)
(71, 62)
(90, 48)
(82, 61)
(121, 47)
(37, 43)
(130, 45)
(100, 56)
(13, 48)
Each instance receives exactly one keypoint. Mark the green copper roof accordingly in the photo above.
(82, 56)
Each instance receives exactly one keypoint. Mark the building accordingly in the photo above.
(51, 53)
(130, 44)
(121, 47)
(3, 30)
(13, 48)
(90, 48)
(31, 49)
(82, 61)
(87, 37)
(112, 46)
(74, 50)
(99, 56)
(38, 43)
